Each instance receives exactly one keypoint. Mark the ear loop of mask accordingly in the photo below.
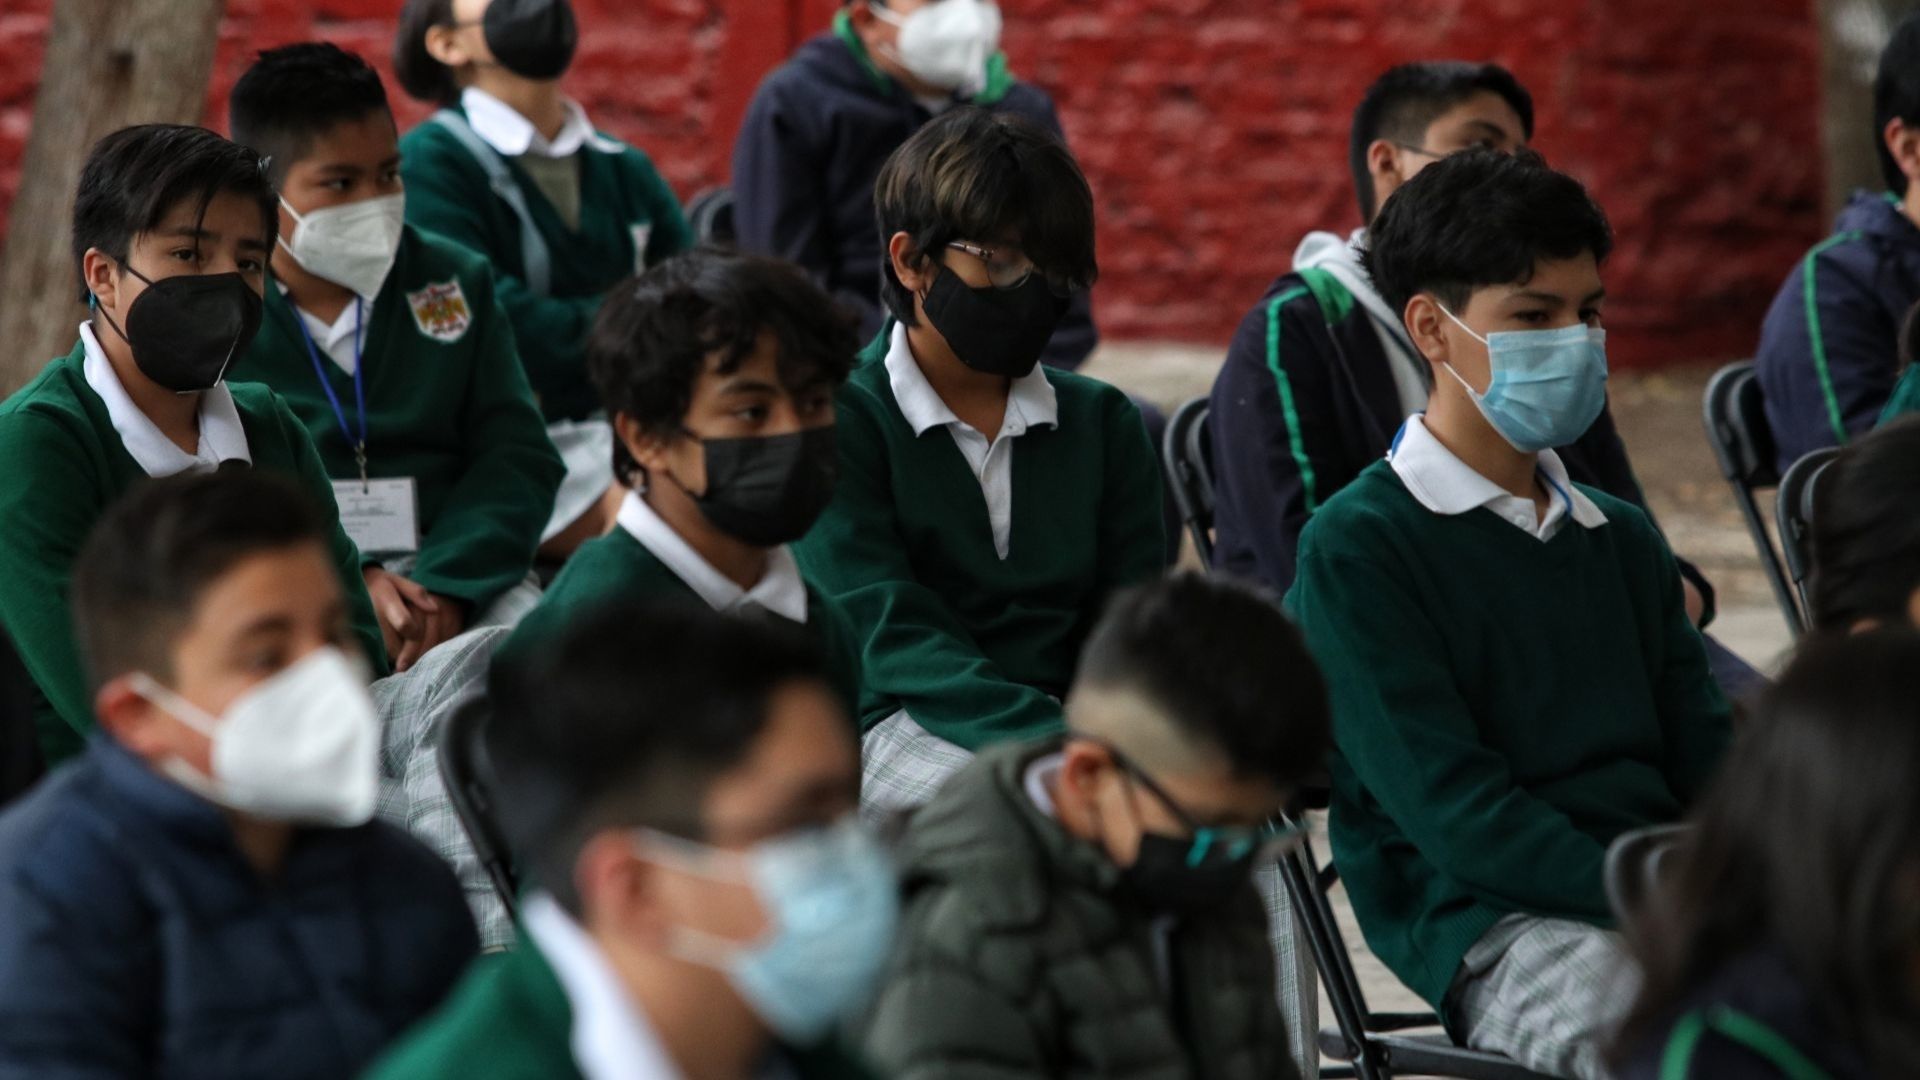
(697, 946)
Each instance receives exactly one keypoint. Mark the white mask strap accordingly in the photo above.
(1461, 325)
(173, 704)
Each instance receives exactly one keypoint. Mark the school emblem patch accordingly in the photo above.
(441, 311)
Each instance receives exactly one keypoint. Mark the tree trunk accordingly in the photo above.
(1852, 33)
(108, 64)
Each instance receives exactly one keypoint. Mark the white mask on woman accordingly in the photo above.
(947, 43)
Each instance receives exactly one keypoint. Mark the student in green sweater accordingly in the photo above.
(172, 226)
(390, 346)
(680, 787)
(511, 168)
(1515, 678)
(986, 508)
(719, 372)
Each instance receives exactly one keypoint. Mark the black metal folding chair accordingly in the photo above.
(1793, 513)
(468, 774)
(710, 215)
(1736, 420)
(1188, 460)
(1376, 1046)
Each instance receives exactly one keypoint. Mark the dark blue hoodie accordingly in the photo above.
(810, 149)
(1829, 350)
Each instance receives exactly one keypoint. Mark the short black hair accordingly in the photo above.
(134, 176)
(1866, 530)
(1480, 218)
(625, 719)
(155, 550)
(421, 76)
(1224, 664)
(1896, 94)
(296, 93)
(1404, 102)
(976, 174)
(654, 333)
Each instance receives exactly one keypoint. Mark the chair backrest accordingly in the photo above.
(1736, 422)
(1793, 511)
(1187, 458)
(468, 773)
(1635, 864)
(710, 215)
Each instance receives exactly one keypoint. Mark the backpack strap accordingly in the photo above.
(1742, 1030)
(535, 258)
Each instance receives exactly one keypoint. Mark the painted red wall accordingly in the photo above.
(1214, 131)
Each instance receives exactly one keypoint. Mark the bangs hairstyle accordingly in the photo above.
(657, 332)
(136, 175)
(985, 177)
(1480, 218)
(1866, 530)
(139, 577)
(1896, 95)
(591, 730)
(1403, 103)
(293, 95)
(421, 76)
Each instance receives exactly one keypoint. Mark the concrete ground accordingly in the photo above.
(1659, 418)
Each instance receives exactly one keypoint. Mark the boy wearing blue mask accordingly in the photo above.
(680, 786)
(987, 506)
(1515, 678)
(202, 892)
(392, 348)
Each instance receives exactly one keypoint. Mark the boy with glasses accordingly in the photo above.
(986, 508)
(1084, 905)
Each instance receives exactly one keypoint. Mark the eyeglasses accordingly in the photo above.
(1259, 844)
(1010, 270)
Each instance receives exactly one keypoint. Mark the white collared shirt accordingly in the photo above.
(222, 438)
(1030, 402)
(336, 341)
(507, 131)
(780, 590)
(1446, 485)
(612, 1038)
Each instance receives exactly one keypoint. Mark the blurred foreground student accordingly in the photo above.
(202, 892)
(1516, 680)
(680, 786)
(1783, 943)
(512, 168)
(1866, 532)
(172, 229)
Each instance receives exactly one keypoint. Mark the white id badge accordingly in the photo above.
(381, 516)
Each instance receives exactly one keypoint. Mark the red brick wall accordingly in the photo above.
(1214, 131)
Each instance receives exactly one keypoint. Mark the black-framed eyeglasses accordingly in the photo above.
(1010, 270)
(1260, 844)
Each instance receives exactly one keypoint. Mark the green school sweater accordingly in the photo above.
(618, 567)
(65, 465)
(1906, 395)
(977, 649)
(509, 1019)
(447, 404)
(623, 199)
(1503, 708)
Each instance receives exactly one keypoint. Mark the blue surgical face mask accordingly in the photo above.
(1547, 386)
(831, 903)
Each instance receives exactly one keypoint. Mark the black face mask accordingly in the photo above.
(996, 331)
(534, 39)
(185, 330)
(1166, 878)
(767, 490)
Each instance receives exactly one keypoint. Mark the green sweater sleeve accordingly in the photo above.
(49, 504)
(917, 655)
(1695, 719)
(671, 234)
(483, 541)
(1411, 742)
(1133, 531)
(311, 474)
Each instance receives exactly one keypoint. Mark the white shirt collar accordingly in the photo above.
(338, 340)
(1446, 485)
(1031, 400)
(612, 1038)
(507, 131)
(780, 590)
(222, 438)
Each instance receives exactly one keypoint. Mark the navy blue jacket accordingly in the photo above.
(1306, 401)
(135, 941)
(1745, 1015)
(1830, 346)
(806, 160)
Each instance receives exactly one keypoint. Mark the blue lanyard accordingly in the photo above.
(359, 385)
